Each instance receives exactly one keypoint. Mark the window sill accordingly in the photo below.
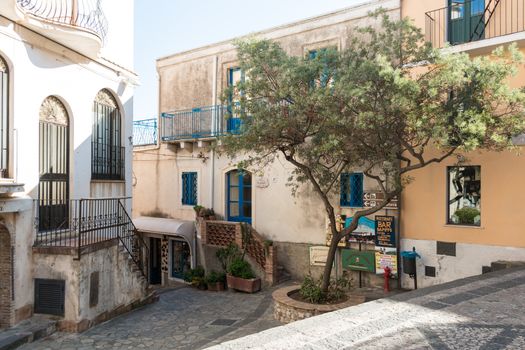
(465, 226)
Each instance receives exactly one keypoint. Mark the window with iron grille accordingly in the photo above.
(189, 188)
(4, 118)
(107, 158)
(352, 189)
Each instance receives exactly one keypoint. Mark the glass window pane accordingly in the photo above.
(234, 178)
(234, 194)
(247, 210)
(235, 76)
(464, 195)
(234, 209)
(247, 179)
(247, 193)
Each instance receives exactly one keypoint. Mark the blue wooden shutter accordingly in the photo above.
(351, 190)
(345, 190)
(356, 190)
(189, 188)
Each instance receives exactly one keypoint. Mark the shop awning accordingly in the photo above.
(170, 227)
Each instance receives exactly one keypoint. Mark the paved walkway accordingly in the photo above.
(482, 312)
(185, 318)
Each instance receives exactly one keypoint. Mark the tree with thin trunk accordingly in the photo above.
(387, 105)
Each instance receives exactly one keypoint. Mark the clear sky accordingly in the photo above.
(164, 27)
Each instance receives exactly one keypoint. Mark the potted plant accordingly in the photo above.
(195, 277)
(215, 281)
(241, 277)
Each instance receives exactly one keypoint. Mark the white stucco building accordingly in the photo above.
(66, 98)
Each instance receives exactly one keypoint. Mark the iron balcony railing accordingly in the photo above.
(199, 123)
(468, 21)
(145, 132)
(85, 14)
(80, 223)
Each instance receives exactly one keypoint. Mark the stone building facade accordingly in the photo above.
(182, 170)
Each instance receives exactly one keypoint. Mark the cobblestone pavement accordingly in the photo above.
(482, 312)
(185, 318)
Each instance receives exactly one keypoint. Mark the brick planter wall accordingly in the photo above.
(286, 309)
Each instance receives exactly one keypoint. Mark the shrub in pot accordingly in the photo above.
(215, 281)
(195, 277)
(241, 277)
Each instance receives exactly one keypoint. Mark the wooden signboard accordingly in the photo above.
(358, 260)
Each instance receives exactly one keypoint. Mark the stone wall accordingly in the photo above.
(119, 286)
(286, 309)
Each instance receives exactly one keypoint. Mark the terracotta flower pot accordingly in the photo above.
(216, 287)
(244, 285)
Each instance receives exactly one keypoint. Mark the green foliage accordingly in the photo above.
(387, 105)
(312, 291)
(192, 274)
(466, 215)
(198, 208)
(241, 268)
(214, 277)
(227, 255)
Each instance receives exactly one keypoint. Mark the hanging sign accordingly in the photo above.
(358, 260)
(386, 257)
(373, 199)
(385, 230)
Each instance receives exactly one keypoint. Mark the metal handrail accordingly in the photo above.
(85, 14)
(80, 223)
(495, 19)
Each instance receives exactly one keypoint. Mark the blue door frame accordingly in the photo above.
(239, 194)
(233, 124)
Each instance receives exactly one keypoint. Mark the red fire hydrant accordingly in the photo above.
(387, 273)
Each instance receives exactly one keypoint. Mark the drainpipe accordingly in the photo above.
(217, 123)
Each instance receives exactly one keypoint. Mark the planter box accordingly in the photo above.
(244, 285)
(216, 287)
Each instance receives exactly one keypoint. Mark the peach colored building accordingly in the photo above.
(435, 207)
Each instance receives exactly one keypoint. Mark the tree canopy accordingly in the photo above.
(386, 105)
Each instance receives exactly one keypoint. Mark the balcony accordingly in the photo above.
(199, 123)
(472, 21)
(145, 132)
(80, 25)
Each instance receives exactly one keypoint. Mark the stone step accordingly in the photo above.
(28, 331)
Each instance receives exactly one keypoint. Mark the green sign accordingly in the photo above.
(359, 260)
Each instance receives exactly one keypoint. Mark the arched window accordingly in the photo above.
(4, 119)
(239, 188)
(53, 188)
(107, 157)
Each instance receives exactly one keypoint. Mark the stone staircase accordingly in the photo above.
(135, 269)
(260, 252)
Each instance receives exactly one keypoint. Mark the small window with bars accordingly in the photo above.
(189, 188)
(352, 190)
